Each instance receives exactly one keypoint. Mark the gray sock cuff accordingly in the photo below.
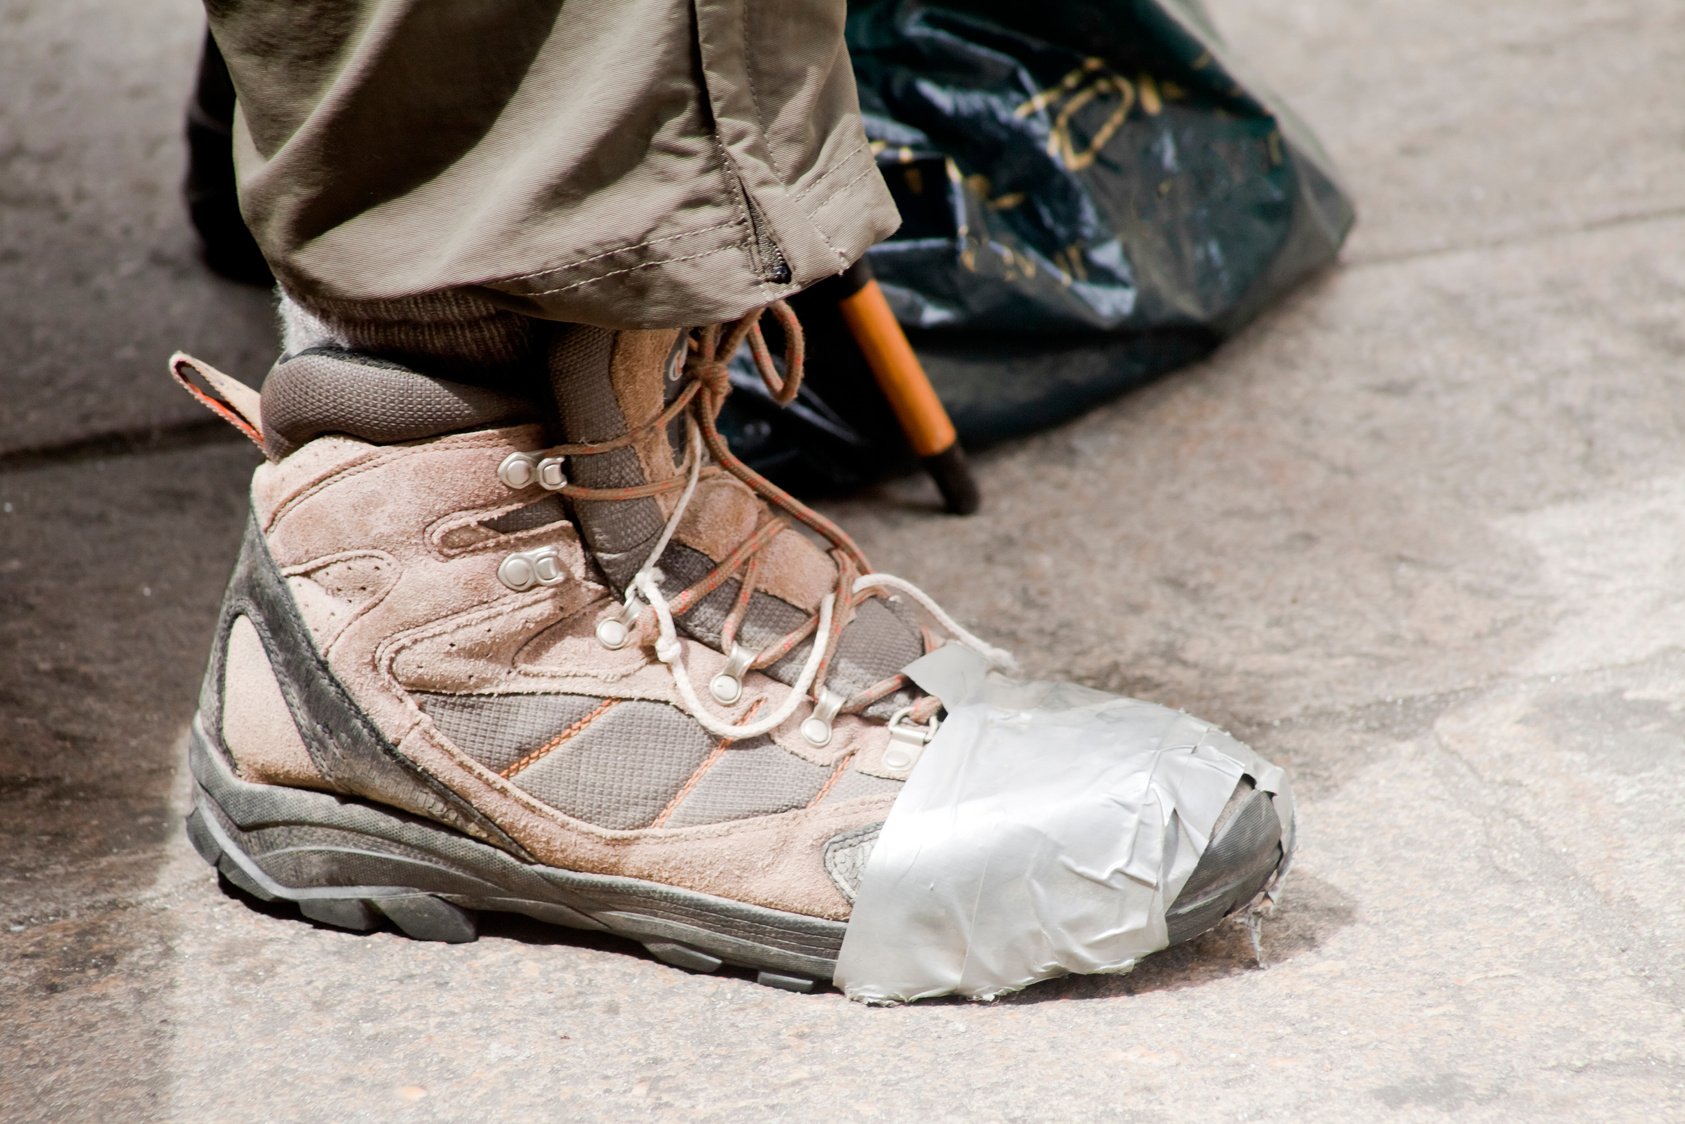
(448, 333)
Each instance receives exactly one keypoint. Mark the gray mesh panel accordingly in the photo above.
(854, 784)
(769, 618)
(498, 730)
(615, 527)
(541, 513)
(752, 778)
(706, 620)
(682, 567)
(579, 362)
(624, 768)
(876, 645)
(786, 669)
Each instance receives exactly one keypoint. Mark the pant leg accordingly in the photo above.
(624, 163)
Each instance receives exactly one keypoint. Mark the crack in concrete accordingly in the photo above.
(1542, 234)
(195, 434)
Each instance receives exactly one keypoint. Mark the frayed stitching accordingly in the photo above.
(631, 269)
(611, 253)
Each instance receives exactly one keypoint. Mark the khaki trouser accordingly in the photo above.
(624, 163)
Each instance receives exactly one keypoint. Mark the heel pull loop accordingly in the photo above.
(225, 396)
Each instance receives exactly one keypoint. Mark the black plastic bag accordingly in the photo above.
(1091, 196)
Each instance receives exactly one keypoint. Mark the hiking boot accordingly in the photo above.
(624, 683)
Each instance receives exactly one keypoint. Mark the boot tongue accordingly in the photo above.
(607, 384)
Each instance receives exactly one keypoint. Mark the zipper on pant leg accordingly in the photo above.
(770, 264)
(767, 257)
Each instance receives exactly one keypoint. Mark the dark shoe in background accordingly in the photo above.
(213, 201)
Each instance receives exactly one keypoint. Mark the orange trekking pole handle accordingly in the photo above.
(901, 377)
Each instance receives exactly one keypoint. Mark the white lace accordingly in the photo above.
(669, 649)
(998, 657)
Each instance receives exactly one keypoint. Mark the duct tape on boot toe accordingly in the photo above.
(1046, 829)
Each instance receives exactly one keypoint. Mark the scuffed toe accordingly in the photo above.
(1245, 851)
(1047, 829)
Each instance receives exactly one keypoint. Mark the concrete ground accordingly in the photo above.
(1419, 535)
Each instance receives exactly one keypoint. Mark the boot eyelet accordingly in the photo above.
(518, 470)
(527, 568)
(615, 632)
(817, 728)
(550, 475)
(900, 758)
(906, 742)
(516, 573)
(727, 686)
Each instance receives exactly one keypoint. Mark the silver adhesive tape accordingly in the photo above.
(1046, 829)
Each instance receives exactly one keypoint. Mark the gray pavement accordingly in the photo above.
(1419, 535)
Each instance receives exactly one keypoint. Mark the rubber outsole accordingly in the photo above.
(357, 866)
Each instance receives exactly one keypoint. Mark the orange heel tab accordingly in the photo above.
(224, 395)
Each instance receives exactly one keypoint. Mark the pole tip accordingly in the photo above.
(954, 480)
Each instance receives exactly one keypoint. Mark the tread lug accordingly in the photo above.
(427, 918)
(787, 982)
(240, 880)
(683, 956)
(345, 913)
(201, 839)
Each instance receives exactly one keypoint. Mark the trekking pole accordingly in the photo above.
(901, 377)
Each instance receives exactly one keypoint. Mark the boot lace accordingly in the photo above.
(646, 607)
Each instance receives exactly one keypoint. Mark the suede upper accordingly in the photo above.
(391, 554)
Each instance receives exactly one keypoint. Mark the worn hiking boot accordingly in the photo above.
(623, 683)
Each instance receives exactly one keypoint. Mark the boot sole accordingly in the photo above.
(354, 865)
(357, 866)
